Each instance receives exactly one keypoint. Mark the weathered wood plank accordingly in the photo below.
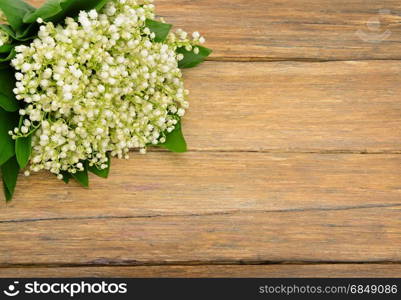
(213, 183)
(295, 106)
(283, 29)
(212, 271)
(354, 235)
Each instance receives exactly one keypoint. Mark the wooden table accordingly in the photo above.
(294, 167)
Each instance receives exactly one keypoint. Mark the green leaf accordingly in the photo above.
(23, 149)
(5, 49)
(27, 33)
(10, 175)
(49, 9)
(6, 153)
(8, 57)
(191, 59)
(4, 65)
(24, 34)
(5, 57)
(104, 173)
(15, 10)
(160, 29)
(100, 4)
(71, 8)
(7, 103)
(8, 121)
(7, 81)
(78, 5)
(82, 177)
(57, 10)
(7, 84)
(66, 176)
(175, 140)
(7, 29)
(7, 194)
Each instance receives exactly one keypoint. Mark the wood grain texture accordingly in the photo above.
(353, 235)
(212, 271)
(288, 30)
(264, 181)
(289, 106)
(164, 184)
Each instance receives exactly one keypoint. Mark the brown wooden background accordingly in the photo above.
(294, 166)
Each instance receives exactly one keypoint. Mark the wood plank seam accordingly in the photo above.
(217, 213)
(252, 59)
(284, 151)
(127, 264)
(258, 271)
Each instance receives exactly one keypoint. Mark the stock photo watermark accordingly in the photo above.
(70, 289)
(375, 31)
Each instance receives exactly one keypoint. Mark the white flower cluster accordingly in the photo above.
(99, 84)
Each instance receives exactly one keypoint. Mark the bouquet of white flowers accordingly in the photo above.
(84, 81)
